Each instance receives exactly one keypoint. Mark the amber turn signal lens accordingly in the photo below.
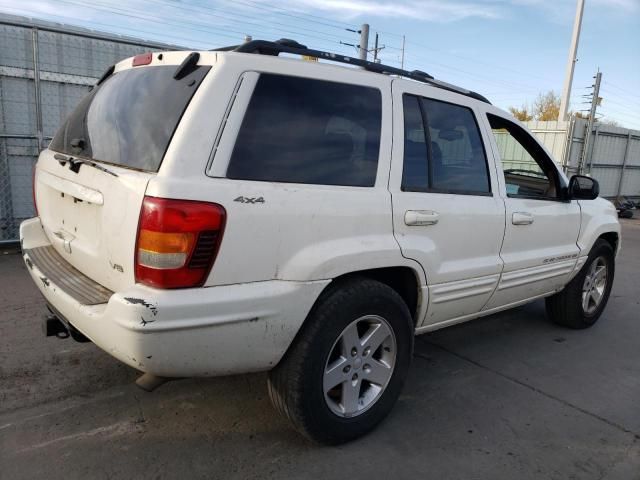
(160, 242)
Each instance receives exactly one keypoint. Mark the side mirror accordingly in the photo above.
(583, 188)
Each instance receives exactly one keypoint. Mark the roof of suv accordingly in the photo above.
(263, 47)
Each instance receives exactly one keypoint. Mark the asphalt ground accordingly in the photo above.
(510, 396)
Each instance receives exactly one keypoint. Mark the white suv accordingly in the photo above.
(222, 212)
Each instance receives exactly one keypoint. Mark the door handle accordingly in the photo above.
(420, 217)
(522, 218)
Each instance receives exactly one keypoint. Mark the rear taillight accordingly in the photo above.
(33, 189)
(177, 242)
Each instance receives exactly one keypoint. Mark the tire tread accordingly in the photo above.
(286, 382)
(565, 307)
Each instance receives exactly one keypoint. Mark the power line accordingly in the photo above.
(114, 28)
(482, 78)
(462, 57)
(607, 95)
(206, 28)
(623, 90)
(620, 115)
(621, 106)
(227, 15)
(239, 24)
(300, 15)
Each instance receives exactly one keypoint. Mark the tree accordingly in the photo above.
(546, 106)
(522, 113)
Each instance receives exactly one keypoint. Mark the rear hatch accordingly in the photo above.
(90, 183)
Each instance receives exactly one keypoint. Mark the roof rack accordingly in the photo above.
(285, 45)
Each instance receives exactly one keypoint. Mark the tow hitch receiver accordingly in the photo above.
(53, 326)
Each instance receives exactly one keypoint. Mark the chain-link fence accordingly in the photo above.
(45, 69)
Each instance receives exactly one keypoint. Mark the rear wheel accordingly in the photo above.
(346, 368)
(583, 300)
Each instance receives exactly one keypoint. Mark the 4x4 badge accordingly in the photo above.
(249, 199)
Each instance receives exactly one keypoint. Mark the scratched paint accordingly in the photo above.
(139, 301)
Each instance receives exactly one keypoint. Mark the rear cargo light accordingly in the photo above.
(142, 59)
(177, 242)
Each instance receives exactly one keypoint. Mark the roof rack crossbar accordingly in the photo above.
(264, 47)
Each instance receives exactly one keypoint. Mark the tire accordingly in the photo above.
(299, 384)
(567, 308)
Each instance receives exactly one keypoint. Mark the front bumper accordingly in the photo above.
(184, 333)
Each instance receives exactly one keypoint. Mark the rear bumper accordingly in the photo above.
(184, 333)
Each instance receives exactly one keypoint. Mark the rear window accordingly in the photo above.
(130, 118)
(301, 130)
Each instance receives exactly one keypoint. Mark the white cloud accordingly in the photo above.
(629, 5)
(44, 8)
(440, 10)
(426, 10)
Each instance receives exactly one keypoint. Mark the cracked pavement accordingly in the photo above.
(503, 397)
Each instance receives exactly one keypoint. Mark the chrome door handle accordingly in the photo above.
(420, 217)
(522, 218)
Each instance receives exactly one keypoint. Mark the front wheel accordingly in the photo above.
(583, 300)
(346, 368)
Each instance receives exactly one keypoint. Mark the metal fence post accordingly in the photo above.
(593, 146)
(7, 221)
(36, 83)
(624, 163)
(566, 157)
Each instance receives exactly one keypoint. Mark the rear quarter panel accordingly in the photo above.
(299, 232)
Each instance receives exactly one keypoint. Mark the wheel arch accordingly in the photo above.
(406, 281)
(613, 238)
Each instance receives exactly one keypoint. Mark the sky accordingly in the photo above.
(507, 50)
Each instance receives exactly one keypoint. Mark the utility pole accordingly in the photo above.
(364, 41)
(402, 58)
(595, 101)
(375, 49)
(573, 51)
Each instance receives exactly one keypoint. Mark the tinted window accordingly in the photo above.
(309, 131)
(130, 118)
(458, 160)
(446, 157)
(527, 169)
(415, 172)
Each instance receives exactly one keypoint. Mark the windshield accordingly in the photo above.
(130, 118)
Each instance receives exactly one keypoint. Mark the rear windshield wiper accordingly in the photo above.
(74, 164)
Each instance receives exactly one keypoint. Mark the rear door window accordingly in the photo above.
(446, 157)
(300, 130)
(130, 118)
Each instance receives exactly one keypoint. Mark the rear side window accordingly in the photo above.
(300, 130)
(448, 156)
(130, 118)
